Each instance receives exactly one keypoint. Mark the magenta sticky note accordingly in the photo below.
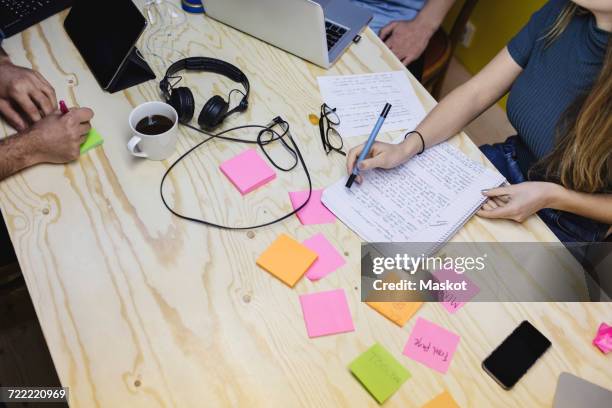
(431, 345)
(326, 313)
(247, 171)
(314, 212)
(603, 339)
(453, 300)
(328, 261)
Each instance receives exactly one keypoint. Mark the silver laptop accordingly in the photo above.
(317, 31)
(575, 392)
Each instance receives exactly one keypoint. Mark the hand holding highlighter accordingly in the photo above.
(93, 138)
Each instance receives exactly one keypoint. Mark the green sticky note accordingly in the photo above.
(379, 372)
(93, 139)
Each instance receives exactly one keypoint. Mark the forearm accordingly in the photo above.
(434, 12)
(466, 102)
(15, 155)
(594, 206)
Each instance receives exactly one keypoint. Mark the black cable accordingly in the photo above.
(261, 142)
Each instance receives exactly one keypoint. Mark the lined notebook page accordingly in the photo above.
(427, 199)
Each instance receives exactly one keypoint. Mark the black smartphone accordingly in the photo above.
(517, 353)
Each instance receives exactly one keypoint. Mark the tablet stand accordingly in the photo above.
(133, 71)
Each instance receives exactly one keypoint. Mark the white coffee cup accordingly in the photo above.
(153, 147)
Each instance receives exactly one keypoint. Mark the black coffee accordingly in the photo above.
(154, 125)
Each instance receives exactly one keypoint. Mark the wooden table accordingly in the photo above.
(141, 309)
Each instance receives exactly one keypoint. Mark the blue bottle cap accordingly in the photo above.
(192, 8)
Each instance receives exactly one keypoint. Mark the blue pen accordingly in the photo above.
(369, 143)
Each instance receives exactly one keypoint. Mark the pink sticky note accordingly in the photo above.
(454, 300)
(328, 261)
(431, 345)
(326, 313)
(314, 212)
(603, 340)
(247, 171)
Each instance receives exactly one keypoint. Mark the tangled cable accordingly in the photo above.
(265, 136)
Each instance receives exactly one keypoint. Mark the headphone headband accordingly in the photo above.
(208, 65)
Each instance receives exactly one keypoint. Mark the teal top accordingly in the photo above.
(552, 77)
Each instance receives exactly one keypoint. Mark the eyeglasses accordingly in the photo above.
(331, 139)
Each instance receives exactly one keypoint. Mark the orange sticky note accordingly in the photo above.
(287, 259)
(444, 400)
(394, 309)
(398, 312)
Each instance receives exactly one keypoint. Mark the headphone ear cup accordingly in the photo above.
(213, 112)
(181, 99)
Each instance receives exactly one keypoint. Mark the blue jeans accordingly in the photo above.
(512, 159)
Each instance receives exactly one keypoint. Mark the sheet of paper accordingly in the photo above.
(443, 400)
(314, 212)
(451, 300)
(287, 259)
(326, 313)
(431, 345)
(359, 99)
(92, 140)
(427, 199)
(328, 261)
(247, 171)
(380, 373)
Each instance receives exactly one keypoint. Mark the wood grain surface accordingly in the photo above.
(141, 309)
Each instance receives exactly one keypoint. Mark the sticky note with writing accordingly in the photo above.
(379, 372)
(398, 312)
(443, 400)
(431, 345)
(454, 300)
(287, 259)
(392, 304)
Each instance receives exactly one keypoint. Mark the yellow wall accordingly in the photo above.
(496, 22)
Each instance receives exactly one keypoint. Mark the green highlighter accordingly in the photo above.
(93, 138)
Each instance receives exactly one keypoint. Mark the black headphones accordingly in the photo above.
(216, 109)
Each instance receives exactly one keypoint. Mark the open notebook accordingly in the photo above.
(427, 199)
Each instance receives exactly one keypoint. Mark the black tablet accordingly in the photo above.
(105, 33)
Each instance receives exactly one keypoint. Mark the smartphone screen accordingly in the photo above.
(511, 359)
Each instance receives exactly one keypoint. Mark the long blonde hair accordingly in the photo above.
(582, 157)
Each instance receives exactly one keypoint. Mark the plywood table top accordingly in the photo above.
(142, 309)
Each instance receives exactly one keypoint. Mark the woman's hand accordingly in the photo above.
(382, 155)
(519, 201)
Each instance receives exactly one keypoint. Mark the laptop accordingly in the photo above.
(17, 15)
(318, 31)
(574, 392)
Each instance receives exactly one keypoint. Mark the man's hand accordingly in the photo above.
(57, 138)
(407, 39)
(25, 95)
(518, 201)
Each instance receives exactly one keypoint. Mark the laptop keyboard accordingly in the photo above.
(334, 33)
(23, 8)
